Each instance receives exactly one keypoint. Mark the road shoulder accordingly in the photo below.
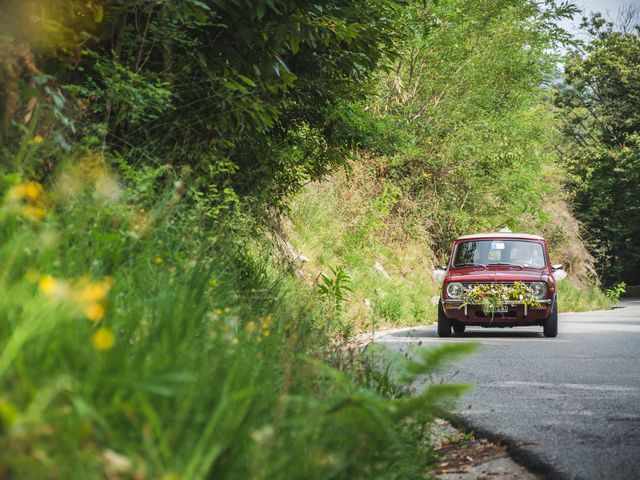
(468, 456)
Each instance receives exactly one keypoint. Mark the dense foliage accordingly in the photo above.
(469, 91)
(248, 94)
(600, 106)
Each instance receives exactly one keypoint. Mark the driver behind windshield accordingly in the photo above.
(527, 255)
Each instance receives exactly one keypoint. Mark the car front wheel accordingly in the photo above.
(550, 327)
(444, 324)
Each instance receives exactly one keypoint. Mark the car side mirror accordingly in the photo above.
(439, 273)
(558, 272)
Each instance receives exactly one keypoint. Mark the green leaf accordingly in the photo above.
(294, 43)
(247, 80)
(202, 5)
(98, 13)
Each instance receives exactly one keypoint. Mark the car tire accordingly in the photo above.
(550, 326)
(458, 327)
(444, 323)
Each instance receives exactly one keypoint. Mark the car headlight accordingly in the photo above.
(454, 290)
(538, 289)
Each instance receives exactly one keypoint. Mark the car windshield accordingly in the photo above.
(484, 253)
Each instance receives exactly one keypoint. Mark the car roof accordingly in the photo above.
(524, 236)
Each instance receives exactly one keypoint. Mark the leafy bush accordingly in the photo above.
(336, 287)
(389, 307)
(616, 292)
(222, 89)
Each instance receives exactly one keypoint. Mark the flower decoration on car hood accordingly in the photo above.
(494, 295)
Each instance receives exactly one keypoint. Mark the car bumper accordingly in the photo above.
(516, 315)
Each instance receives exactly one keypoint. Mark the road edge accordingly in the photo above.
(517, 453)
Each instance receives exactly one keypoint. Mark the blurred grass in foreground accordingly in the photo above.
(139, 342)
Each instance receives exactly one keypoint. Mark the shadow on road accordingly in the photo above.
(500, 333)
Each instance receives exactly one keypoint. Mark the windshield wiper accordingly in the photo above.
(508, 264)
(459, 265)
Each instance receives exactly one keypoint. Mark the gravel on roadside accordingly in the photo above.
(464, 457)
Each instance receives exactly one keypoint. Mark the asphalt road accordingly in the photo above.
(569, 406)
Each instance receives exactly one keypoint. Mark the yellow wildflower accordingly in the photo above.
(103, 339)
(35, 214)
(267, 322)
(213, 283)
(27, 190)
(95, 292)
(38, 139)
(158, 261)
(251, 327)
(218, 311)
(235, 341)
(48, 284)
(32, 190)
(94, 312)
(52, 287)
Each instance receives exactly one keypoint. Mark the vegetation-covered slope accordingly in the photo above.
(466, 143)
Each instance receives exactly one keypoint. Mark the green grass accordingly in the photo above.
(332, 228)
(139, 341)
(573, 297)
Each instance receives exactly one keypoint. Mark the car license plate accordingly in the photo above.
(503, 309)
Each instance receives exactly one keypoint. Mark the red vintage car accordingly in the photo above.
(513, 269)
